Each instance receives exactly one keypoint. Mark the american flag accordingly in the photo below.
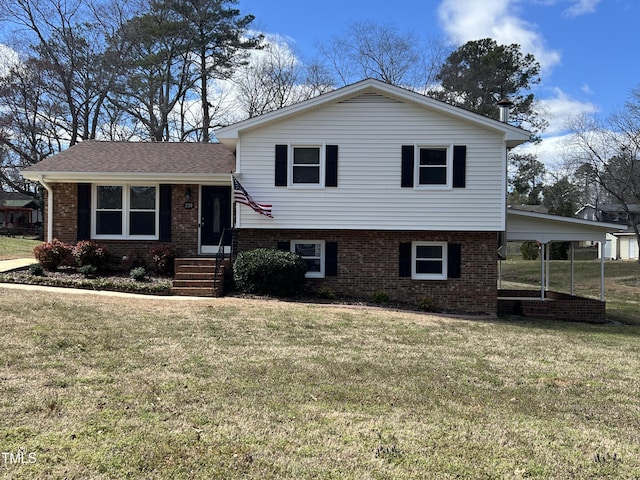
(240, 195)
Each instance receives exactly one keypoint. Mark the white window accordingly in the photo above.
(125, 211)
(312, 252)
(433, 166)
(429, 260)
(307, 166)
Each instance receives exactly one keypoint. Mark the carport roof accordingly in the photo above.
(545, 228)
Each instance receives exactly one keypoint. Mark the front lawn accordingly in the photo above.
(104, 388)
(15, 247)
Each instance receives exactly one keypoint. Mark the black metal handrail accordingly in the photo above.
(219, 256)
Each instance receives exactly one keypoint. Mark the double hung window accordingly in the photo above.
(125, 211)
(313, 253)
(306, 166)
(429, 260)
(432, 166)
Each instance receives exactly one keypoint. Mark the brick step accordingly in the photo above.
(192, 262)
(196, 283)
(202, 276)
(196, 277)
(196, 292)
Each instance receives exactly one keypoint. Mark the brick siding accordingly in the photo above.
(368, 262)
(560, 306)
(184, 228)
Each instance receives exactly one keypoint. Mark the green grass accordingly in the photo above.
(102, 388)
(622, 282)
(15, 247)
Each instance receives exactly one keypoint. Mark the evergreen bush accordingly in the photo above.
(529, 250)
(269, 272)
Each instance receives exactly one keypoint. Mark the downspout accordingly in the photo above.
(49, 207)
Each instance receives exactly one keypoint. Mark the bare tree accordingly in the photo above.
(372, 50)
(275, 77)
(608, 152)
(28, 122)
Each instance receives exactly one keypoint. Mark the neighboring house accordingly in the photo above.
(378, 188)
(18, 212)
(620, 245)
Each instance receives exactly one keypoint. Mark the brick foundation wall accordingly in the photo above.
(368, 261)
(184, 228)
(560, 306)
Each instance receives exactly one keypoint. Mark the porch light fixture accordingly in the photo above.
(187, 194)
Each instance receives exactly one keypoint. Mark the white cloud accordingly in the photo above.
(581, 7)
(466, 20)
(586, 89)
(560, 108)
(8, 59)
(553, 149)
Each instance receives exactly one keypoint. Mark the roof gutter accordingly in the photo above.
(49, 207)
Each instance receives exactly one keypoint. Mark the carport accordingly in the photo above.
(545, 229)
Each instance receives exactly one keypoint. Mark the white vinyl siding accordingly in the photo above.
(370, 136)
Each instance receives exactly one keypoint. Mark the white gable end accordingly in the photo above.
(370, 128)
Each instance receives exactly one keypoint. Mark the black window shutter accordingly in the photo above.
(405, 260)
(454, 259)
(331, 172)
(164, 235)
(284, 245)
(331, 259)
(408, 159)
(281, 166)
(84, 211)
(459, 166)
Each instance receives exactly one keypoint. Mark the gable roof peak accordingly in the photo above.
(228, 135)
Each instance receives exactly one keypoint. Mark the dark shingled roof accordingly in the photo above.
(140, 158)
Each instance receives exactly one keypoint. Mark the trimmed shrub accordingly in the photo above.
(36, 270)
(88, 271)
(269, 272)
(380, 297)
(87, 252)
(138, 274)
(163, 257)
(426, 304)
(51, 254)
(529, 250)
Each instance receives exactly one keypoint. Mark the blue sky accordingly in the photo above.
(588, 49)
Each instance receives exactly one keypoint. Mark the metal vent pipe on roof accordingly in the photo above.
(504, 105)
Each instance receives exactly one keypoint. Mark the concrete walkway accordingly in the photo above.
(8, 265)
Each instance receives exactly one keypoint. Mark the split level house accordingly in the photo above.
(378, 188)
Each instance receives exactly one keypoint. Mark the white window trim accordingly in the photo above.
(414, 259)
(126, 210)
(319, 274)
(449, 166)
(321, 156)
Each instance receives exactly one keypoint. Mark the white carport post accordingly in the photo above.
(602, 245)
(542, 270)
(573, 244)
(547, 258)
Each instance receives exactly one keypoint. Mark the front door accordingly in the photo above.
(215, 217)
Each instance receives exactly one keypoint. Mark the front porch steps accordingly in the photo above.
(196, 277)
